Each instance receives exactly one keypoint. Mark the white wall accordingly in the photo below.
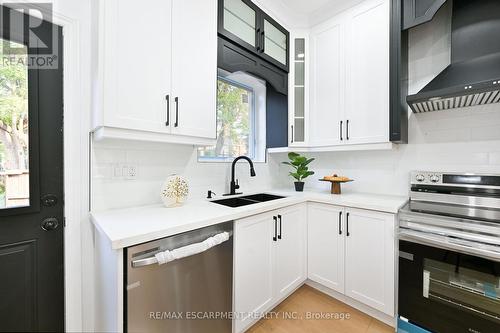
(155, 162)
(465, 139)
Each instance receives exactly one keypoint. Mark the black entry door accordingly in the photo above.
(31, 178)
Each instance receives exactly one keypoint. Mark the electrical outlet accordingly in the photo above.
(131, 172)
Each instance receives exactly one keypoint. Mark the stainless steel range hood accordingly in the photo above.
(473, 78)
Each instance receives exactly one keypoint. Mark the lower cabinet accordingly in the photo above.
(370, 258)
(352, 251)
(325, 245)
(269, 261)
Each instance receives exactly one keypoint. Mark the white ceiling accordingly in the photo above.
(309, 12)
(308, 6)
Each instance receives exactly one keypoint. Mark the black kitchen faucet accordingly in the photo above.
(234, 183)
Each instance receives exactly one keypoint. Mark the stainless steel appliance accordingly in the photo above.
(473, 77)
(449, 254)
(188, 295)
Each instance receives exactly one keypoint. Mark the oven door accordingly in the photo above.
(442, 290)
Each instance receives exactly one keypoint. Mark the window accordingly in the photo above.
(241, 100)
(14, 155)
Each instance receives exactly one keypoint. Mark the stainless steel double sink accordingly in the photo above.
(247, 200)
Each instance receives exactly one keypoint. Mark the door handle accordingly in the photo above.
(292, 133)
(347, 130)
(341, 128)
(275, 238)
(167, 123)
(279, 236)
(176, 124)
(50, 224)
(340, 223)
(347, 225)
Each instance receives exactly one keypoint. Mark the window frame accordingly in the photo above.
(252, 137)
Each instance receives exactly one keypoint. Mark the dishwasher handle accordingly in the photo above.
(164, 257)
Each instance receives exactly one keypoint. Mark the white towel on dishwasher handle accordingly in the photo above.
(189, 250)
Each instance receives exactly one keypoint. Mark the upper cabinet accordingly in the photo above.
(367, 74)
(327, 84)
(244, 23)
(416, 12)
(350, 77)
(298, 92)
(167, 93)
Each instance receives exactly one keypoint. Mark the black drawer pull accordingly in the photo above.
(176, 124)
(275, 238)
(279, 236)
(347, 225)
(167, 123)
(340, 223)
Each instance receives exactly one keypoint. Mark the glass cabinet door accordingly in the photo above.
(275, 42)
(299, 92)
(239, 18)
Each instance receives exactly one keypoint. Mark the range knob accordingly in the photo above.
(420, 178)
(434, 178)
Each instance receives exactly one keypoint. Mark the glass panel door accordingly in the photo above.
(299, 90)
(240, 20)
(472, 290)
(275, 42)
(14, 129)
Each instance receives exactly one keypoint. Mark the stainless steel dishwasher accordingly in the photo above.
(189, 295)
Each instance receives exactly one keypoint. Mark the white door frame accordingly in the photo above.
(76, 164)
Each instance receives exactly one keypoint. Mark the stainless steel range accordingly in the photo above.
(449, 260)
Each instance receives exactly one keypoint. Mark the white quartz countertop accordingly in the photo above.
(131, 226)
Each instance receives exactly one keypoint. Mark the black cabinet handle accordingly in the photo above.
(168, 110)
(257, 40)
(263, 46)
(347, 225)
(176, 124)
(275, 238)
(279, 236)
(341, 128)
(340, 223)
(292, 133)
(347, 130)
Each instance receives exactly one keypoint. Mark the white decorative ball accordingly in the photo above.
(174, 191)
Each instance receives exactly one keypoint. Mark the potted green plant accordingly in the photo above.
(301, 169)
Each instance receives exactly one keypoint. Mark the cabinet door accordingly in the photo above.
(137, 81)
(367, 96)
(327, 85)
(239, 22)
(298, 94)
(275, 42)
(290, 251)
(253, 249)
(194, 68)
(370, 258)
(325, 232)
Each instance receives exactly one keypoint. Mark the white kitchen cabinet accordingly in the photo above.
(325, 245)
(253, 267)
(370, 258)
(194, 67)
(367, 74)
(147, 58)
(327, 86)
(352, 251)
(350, 77)
(290, 251)
(269, 261)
